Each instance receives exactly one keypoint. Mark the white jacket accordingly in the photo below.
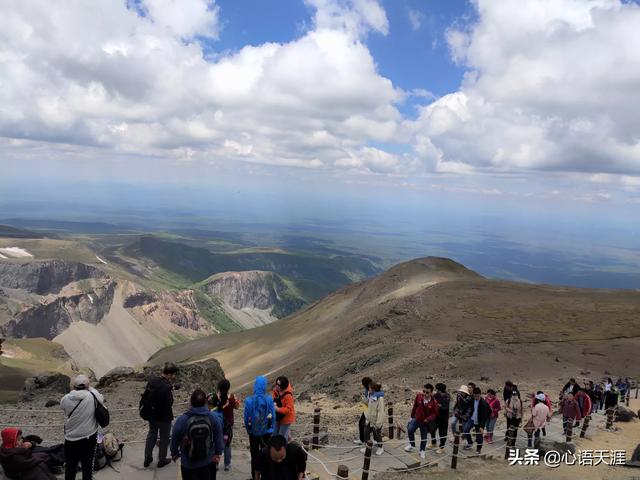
(83, 423)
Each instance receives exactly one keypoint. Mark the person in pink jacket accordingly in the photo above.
(494, 404)
(540, 415)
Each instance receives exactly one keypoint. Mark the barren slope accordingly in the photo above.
(433, 317)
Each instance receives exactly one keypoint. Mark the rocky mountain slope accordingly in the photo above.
(253, 298)
(434, 319)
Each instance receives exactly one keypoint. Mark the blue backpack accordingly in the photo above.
(260, 423)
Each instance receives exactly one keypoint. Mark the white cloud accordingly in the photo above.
(416, 17)
(552, 85)
(99, 74)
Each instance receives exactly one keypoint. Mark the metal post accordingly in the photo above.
(456, 446)
(570, 429)
(316, 429)
(511, 434)
(367, 461)
(609, 418)
(391, 422)
(585, 425)
(343, 472)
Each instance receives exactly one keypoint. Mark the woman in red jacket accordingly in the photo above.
(285, 409)
(423, 417)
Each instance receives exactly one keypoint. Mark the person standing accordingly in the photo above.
(513, 412)
(423, 417)
(478, 419)
(80, 428)
(507, 390)
(494, 404)
(584, 404)
(259, 418)
(158, 395)
(196, 439)
(364, 405)
(225, 403)
(462, 409)
(375, 417)
(570, 411)
(281, 460)
(442, 420)
(285, 407)
(540, 415)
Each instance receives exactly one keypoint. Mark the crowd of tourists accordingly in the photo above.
(201, 438)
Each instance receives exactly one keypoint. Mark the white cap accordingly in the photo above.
(541, 397)
(81, 381)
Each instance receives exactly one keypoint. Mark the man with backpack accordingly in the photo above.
(281, 461)
(80, 427)
(259, 417)
(156, 406)
(285, 409)
(197, 440)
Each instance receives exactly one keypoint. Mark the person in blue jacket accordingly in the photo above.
(197, 440)
(259, 419)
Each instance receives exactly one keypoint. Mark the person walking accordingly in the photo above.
(478, 419)
(570, 411)
(507, 390)
(225, 403)
(423, 417)
(513, 412)
(285, 407)
(259, 419)
(442, 420)
(540, 415)
(197, 440)
(584, 404)
(364, 405)
(80, 427)
(494, 404)
(158, 398)
(281, 460)
(375, 417)
(462, 409)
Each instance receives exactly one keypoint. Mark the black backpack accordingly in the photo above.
(145, 407)
(101, 412)
(198, 437)
(280, 416)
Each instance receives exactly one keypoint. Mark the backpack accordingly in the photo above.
(260, 423)
(279, 398)
(145, 407)
(107, 451)
(101, 412)
(198, 437)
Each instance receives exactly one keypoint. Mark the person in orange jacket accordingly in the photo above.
(285, 409)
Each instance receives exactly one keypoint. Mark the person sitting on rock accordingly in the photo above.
(423, 416)
(285, 407)
(281, 460)
(80, 427)
(375, 417)
(18, 459)
(364, 405)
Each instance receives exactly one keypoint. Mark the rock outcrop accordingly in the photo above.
(48, 383)
(116, 375)
(45, 277)
(54, 315)
(205, 375)
(623, 414)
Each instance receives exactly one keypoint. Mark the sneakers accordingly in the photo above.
(409, 448)
(227, 468)
(431, 445)
(423, 454)
(357, 441)
(379, 451)
(164, 463)
(467, 447)
(440, 450)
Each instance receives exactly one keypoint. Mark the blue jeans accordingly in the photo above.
(471, 425)
(491, 425)
(282, 429)
(411, 431)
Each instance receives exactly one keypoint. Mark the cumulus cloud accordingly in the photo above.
(416, 17)
(551, 85)
(136, 81)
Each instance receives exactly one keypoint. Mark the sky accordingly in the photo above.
(522, 109)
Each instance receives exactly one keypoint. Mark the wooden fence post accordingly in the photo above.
(637, 388)
(609, 418)
(315, 444)
(628, 396)
(391, 422)
(511, 433)
(367, 460)
(456, 445)
(343, 472)
(585, 425)
(570, 429)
